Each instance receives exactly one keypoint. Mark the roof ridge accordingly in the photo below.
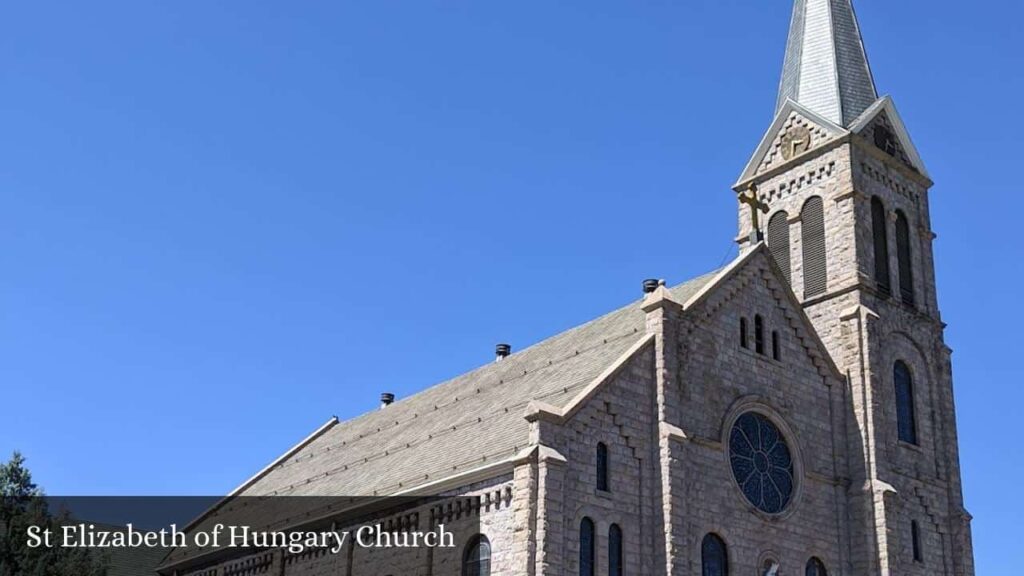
(415, 440)
(297, 460)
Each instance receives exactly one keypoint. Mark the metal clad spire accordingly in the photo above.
(826, 68)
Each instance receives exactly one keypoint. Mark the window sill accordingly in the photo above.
(912, 447)
(763, 357)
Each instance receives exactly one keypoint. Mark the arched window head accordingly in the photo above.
(812, 219)
(880, 238)
(614, 550)
(815, 567)
(476, 559)
(759, 334)
(587, 547)
(915, 541)
(744, 342)
(602, 466)
(778, 242)
(714, 558)
(906, 417)
(903, 259)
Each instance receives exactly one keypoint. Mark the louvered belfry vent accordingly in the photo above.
(778, 242)
(903, 260)
(815, 267)
(880, 238)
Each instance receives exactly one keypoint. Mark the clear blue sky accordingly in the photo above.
(223, 222)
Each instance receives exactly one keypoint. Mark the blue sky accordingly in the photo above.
(223, 222)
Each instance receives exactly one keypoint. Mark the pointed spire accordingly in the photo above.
(826, 68)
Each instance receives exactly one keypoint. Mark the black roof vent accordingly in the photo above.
(650, 285)
(386, 398)
(502, 350)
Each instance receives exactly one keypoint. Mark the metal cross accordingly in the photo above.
(755, 205)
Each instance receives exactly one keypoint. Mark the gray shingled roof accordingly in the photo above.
(461, 424)
(826, 68)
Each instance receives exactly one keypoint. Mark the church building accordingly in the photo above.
(791, 413)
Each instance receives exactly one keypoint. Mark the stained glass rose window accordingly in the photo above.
(761, 462)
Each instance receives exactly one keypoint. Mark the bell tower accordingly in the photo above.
(840, 195)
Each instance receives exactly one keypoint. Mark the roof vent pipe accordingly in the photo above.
(650, 285)
(502, 351)
(386, 398)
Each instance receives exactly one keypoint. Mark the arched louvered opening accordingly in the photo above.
(614, 550)
(812, 218)
(903, 259)
(587, 547)
(714, 558)
(906, 417)
(815, 567)
(476, 560)
(880, 236)
(602, 466)
(759, 334)
(778, 242)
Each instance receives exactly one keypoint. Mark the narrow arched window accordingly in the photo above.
(713, 557)
(815, 567)
(880, 235)
(915, 541)
(759, 334)
(614, 550)
(476, 560)
(906, 417)
(602, 466)
(812, 218)
(778, 241)
(587, 547)
(743, 333)
(776, 351)
(903, 259)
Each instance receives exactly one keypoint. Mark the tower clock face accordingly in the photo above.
(796, 141)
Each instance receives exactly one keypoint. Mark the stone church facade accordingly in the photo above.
(791, 413)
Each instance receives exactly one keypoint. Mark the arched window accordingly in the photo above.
(903, 259)
(759, 334)
(476, 560)
(815, 268)
(602, 466)
(906, 418)
(614, 550)
(815, 567)
(743, 333)
(713, 557)
(587, 547)
(776, 351)
(778, 241)
(915, 538)
(880, 237)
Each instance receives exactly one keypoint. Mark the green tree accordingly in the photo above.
(23, 504)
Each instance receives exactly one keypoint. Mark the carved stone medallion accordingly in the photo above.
(796, 141)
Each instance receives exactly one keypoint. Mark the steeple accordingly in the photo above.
(826, 68)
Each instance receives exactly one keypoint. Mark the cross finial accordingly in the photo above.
(750, 199)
